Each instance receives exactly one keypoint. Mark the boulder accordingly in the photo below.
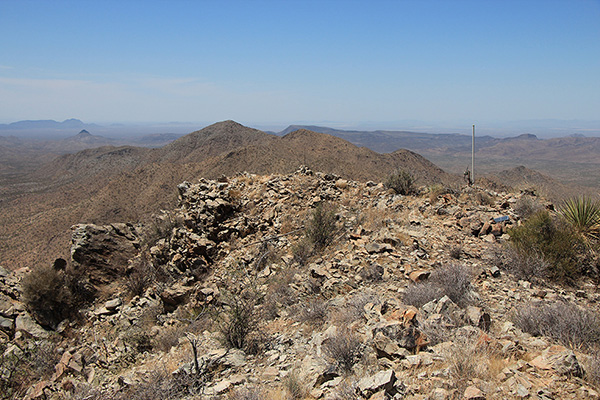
(102, 251)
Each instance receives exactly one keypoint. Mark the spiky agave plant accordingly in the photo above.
(583, 214)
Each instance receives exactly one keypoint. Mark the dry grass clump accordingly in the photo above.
(295, 389)
(565, 322)
(343, 350)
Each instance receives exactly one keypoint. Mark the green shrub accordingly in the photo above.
(402, 182)
(556, 243)
(321, 228)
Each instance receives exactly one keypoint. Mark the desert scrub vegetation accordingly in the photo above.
(53, 295)
(321, 228)
(343, 350)
(402, 182)
(23, 364)
(452, 280)
(564, 322)
(526, 206)
(583, 214)
(552, 240)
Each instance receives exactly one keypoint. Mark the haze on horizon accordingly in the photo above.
(344, 64)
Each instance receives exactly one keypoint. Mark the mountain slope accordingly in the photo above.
(108, 184)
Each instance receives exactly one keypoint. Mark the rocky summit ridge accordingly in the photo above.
(225, 297)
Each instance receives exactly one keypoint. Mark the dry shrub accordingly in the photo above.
(402, 182)
(313, 311)
(343, 350)
(250, 393)
(527, 265)
(321, 228)
(52, 296)
(452, 280)
(565, 322)
(421, 293)
(527, 206)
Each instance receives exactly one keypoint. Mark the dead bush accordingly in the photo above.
(343, 350)
(48, 296)
(527, 265)
(250, 393)
(452, 280)
(527, 206)
(312, 311)
(565, 322)
(418, 294)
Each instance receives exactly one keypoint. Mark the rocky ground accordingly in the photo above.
(231, 296)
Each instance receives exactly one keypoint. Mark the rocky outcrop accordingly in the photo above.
(102, 252)
(234, 258)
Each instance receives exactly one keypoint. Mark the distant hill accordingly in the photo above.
(574, 159)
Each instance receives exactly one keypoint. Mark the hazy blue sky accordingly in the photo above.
(272, 62)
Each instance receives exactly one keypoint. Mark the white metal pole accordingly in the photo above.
(473, 157)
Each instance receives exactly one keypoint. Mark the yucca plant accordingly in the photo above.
(583, 214)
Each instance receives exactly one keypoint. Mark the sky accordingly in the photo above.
(336, 63)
